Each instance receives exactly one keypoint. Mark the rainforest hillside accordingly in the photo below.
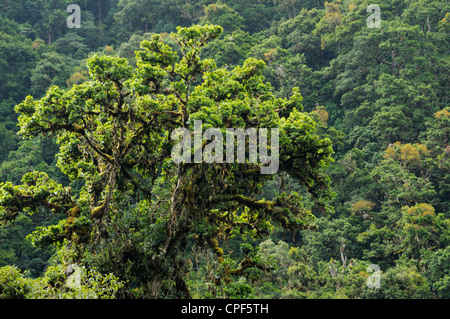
(92, 98)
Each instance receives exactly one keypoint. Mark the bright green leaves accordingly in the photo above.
(114, 136)
(250, 68)
(37, 190)
(42, 116)
(13, 285)
(221, 14)
(397, 176)
(298, 138)
(106, 68)
(193, 38)
(156, 53)
(190, 41)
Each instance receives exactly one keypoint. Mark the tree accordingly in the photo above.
(54, 16)
(327, 243)
(114, 136)
(52, 69)
(135, 14)
(231, 49)
(16, 62)
(8, 142)
(256, 14)
(35, 154)
(400, 186)
(139, 16)
(288, 7)
(17, 250)
(297, 35)
(71, 44)
(423, 229)
(401, 282)
(426, 14)
(437, 272)
(12, 283)
(436, 137)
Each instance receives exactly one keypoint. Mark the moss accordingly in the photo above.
(214, 244)
(97, 212)
(74, 212)
(70, 222)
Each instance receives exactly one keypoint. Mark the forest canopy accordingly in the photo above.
(93, 204)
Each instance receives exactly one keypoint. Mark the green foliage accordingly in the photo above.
(238, 290)
(402, 282)
(90, 284)
(423, 229)
(31, 155)
(230, 49)
(16, 62)
(437, 271)
(221, 14)
(8, 142)
(13, 285)
(90, 174)
(17, 250)
(113, 131)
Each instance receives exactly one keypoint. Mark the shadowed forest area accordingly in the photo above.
(92, 206)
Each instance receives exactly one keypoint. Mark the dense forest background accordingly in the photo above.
(379, 94)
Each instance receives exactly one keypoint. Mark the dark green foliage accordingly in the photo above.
(365, 158)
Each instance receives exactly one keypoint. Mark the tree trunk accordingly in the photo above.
(394, 62)
(154, 287)
(49, 35)
(99, 9)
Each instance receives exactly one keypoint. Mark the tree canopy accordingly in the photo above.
(114, 132)
(114, 182)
